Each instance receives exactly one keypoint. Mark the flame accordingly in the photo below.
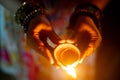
(66, 54)
(71, 71)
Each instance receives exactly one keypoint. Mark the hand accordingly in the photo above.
(85, 34)
(38, 32)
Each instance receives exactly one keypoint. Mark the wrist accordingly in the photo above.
(26, 12)
(89, 10)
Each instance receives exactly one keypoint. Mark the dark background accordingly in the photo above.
(108, 57)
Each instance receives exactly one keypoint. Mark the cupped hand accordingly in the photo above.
(85, 34)
(40, 29)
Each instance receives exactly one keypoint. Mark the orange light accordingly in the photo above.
(67, 54)
(42, 26)
(66, 41)
(71, 71)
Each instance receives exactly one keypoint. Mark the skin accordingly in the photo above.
(85, 33)
(37, 35)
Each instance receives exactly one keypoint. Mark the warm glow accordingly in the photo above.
(67, 54)
(66, 41)
(71, 71)
(39, 28)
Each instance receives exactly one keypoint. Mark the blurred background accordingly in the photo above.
(18, 62)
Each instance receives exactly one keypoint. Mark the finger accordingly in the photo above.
(34, 42)
(86, 36)
(33, 39)
(54, 37)
(38, 36)
(42, 24)
(95, 36)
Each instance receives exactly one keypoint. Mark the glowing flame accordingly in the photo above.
(67, 54)
(71, 71)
